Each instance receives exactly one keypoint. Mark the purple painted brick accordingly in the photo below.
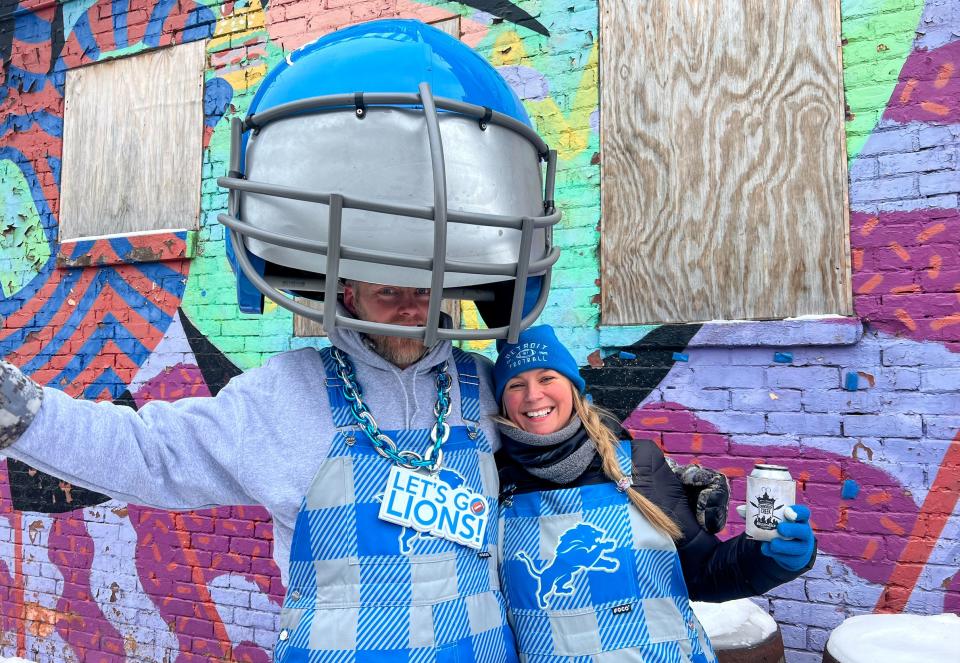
(765, 400)
(733, 376)
(885, 188)
(792, 590)
(918, 403)
(883, 425)
(797, 656)
(803, 377)
(940, 379)
(697, 399)
(841, 401)
(253, 618)
(773, 445)
(734, 422)
(810, 614)
(931, 184)
(864, 169)
(844, 446)
(793, 636)
(843, 592)
(924, 161)
(817, 639)
(925, 450)
(941, 427)
(909, 353)
(931, 136)
(710, 356)
(897, 379)
(898, 138)
(803, 423)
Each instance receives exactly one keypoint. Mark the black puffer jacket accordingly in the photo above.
(714, 570)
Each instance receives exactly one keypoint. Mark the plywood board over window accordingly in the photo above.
(133, 144)
(723, 161)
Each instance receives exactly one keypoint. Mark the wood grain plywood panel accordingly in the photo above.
(723, 161)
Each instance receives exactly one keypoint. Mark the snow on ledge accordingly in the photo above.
(896, 639)
(740, 623)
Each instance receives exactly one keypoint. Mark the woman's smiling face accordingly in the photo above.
(539, 401)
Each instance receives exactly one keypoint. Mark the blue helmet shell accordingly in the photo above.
(392, 55)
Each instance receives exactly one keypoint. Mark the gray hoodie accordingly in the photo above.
(261, 440)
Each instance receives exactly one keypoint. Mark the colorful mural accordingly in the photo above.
(85, 578)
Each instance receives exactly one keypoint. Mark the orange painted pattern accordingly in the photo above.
(932, 518)
(936, 262)
(907, 91)
(932, 231)
(871, 284)
(901, 252)
(943, 75)
(905, 318)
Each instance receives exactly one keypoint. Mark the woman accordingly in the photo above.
(601, 551)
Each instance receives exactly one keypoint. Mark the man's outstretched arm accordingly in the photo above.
(181, 455)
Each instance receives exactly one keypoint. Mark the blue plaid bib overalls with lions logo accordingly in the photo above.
(367, 591)
(589, 580)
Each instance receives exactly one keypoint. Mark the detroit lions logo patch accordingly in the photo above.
(580, 549)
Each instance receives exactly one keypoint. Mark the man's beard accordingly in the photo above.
(399, 351)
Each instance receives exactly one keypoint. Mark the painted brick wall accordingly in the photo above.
(873, 400)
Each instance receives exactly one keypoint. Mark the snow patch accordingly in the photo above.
(734, 623)
(895, 639)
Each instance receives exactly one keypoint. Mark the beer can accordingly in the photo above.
(770, 490)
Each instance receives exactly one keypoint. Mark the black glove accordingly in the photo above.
(708, 493)
(20, 399)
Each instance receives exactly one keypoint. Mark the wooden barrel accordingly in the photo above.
(741, 632)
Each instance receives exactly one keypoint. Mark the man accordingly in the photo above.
(284, 436)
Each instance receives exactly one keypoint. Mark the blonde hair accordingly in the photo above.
(606, 443)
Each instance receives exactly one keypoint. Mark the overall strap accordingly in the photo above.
(339, 405)
(625, 457)
(469, 390)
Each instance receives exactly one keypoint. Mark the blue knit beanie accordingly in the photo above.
(537, 347)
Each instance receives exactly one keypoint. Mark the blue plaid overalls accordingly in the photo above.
(588, 580)
(369, 591)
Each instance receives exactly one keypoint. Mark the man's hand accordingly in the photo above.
(20, 399)
(707, 492)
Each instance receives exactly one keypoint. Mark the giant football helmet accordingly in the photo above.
(390, 152)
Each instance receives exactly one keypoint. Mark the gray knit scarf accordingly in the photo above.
(559, 457)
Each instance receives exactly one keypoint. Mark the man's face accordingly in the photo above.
(391, 305)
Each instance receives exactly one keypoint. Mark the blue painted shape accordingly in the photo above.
(81, 248)
(393, 55)
(50, 123)
(680, 356)
(159, 15)
(108, 380)
(133, 298)
(851, 382)
(118, 9)
(217, 95)
(623, 354)
(85, 38)
(200, 24)
(111, 331)
(783, 357)
(850, 489)
(30, 28)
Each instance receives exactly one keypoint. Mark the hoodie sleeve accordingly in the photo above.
(180, 455)
(714, 570)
